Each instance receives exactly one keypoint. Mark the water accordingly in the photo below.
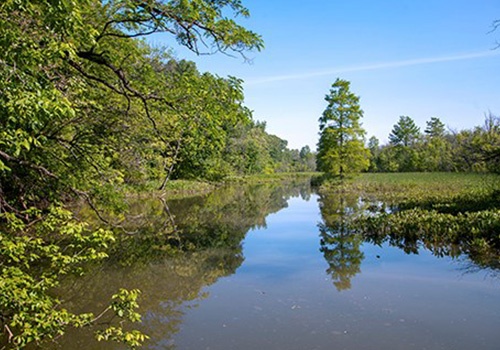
(283, 277)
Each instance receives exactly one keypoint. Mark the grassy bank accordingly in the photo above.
(419, 188)
(188, 188)
(447, 213)
(266, 178)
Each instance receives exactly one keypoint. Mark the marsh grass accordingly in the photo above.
(268, 178)
(462, 191)
(448, 213)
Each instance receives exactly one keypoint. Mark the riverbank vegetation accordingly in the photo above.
(90, 111)
(438, 149)
(450, 214)
(444, 197)
(341, 148)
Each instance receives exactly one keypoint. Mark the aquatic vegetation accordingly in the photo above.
(448, 214)
(419, 187)
(471, 230)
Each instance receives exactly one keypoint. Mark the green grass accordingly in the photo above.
(173, 189)
(462, 180)
(264, 178)
(404, 188)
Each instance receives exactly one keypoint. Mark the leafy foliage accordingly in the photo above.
(341, 148)
(475, 150)
(405, 132)
(33, 259)
(435, 128)
(87, 108)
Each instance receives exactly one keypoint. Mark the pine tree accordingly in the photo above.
(405, 132)
(435, 128)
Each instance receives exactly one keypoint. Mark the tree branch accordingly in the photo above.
(41, 169)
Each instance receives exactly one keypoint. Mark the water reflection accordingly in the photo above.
(345, 227)
(201, 289)
(340, 244)
(177, 248)
(474, 255)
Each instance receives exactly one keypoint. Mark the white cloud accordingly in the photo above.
(374, 66)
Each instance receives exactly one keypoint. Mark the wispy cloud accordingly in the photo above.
(373, 66)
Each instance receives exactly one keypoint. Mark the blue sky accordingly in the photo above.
(420, 58)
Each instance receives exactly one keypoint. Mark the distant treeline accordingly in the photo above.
(437, 149)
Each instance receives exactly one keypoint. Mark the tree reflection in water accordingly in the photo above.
(178, 248)
(348, 222)
(340, 245)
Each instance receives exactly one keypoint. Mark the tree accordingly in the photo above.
(304, 151)
(341, 149)
(387, 159)
(84, 107)
(436, 149)
(247, 149)
(491, 149)
(405, 132)
(374, 147)
(435, 128)
(404, 137)
(480, 147)
(307, 159)
(77, 87)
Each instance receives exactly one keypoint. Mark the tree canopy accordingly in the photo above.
(341, 149)
(88, 108)
(469, 150)
(84, 102)
(404, 132)
(434, 128)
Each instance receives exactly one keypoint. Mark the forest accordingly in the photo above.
(343, 149)
(90, 111)
(438, 149)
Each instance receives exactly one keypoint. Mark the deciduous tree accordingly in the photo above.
(341, 149)
(84, 107)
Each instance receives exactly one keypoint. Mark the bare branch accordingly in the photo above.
(93, 77)
(41, 169)
(9, 332)
(90, 203)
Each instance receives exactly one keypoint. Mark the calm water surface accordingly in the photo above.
(281, 277)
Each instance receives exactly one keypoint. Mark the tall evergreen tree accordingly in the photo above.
(435, 128)
(341, 149)
(405, 132)
(436, 149)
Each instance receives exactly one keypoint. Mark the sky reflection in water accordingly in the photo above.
(265, 272)
(281, 297)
